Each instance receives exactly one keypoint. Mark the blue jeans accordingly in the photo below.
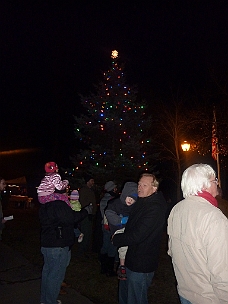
(184, 301)
(56, 261)
(134, 289)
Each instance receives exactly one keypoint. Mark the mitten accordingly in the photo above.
(124, 220)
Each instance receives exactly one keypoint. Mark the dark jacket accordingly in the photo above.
(143, 233)
(87, 196)
(117, 208)
(113, 211)
(109, 196)
(57, 221)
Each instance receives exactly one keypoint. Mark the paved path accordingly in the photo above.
(20, 281)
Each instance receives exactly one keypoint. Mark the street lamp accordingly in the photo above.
(185, 146)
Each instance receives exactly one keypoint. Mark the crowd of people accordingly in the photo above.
(132, 224)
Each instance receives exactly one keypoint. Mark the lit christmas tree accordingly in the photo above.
(113, 134)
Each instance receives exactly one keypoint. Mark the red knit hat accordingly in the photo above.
(51, 167)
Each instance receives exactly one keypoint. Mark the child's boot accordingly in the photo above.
(121, 272)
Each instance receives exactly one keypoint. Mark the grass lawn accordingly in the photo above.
(83, 274)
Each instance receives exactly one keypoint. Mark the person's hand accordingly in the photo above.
(89, 208)
(66, 181)
(3, 221)
(124, 220)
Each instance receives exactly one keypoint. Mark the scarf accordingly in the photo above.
(207, 196)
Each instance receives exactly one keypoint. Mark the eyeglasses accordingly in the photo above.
(215, 181)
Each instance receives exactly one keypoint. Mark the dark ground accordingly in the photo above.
(22, 234)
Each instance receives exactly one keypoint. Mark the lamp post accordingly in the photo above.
(185, 146)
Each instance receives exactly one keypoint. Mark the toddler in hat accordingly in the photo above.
(76, 206)
(117, 214)
(51, 185)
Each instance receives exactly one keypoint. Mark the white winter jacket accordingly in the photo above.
(198, 245)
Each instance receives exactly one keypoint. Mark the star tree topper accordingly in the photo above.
(114, 54)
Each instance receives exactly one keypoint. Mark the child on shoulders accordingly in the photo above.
(50, 184)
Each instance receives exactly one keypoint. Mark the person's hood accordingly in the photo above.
(130, 189)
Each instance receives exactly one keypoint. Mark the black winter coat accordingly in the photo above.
(57, 221)
(143, 233)
(114, 209)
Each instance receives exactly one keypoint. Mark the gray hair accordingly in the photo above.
(196, 178)
(155, 182)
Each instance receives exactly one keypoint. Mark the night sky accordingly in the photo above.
(53, 50)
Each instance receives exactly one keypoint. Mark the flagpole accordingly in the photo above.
(218, 165)
(215, 139)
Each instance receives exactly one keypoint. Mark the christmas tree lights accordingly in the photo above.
(114, 130)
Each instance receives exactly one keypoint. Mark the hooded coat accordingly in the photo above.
(117, 208)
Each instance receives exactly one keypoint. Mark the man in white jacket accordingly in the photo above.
(198, 239)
